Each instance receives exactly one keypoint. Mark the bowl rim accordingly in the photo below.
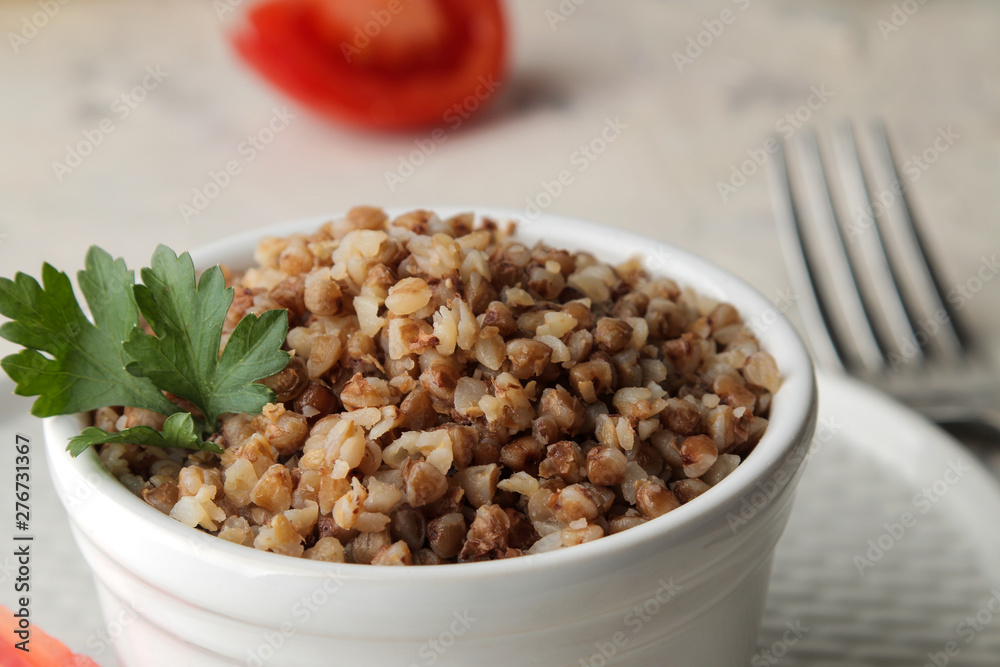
(783, 444)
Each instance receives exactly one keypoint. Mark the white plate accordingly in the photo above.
(906, 602)
(868, 467)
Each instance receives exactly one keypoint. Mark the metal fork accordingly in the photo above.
(872, 301)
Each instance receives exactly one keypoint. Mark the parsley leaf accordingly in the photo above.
(178, 431)
(85, 368)
(183, 358)
(74, 365)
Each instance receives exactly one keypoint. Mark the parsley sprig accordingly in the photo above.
(75, 364)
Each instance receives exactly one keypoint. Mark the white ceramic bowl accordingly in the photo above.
(686, 589)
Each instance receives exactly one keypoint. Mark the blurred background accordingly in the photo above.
(687, 124)
(130, 123)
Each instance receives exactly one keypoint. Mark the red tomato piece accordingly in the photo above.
(389, 64)
(45, 651)
(12, 657)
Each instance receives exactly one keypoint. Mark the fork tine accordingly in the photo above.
(953, 339)
(881, 293)
(839, 278)
(818, 321)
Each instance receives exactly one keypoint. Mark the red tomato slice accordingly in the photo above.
(391, 64)
(45, 651)
(12, 657)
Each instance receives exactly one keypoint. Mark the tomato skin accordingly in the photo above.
(45, 651)
(12, 657)
(285, 41)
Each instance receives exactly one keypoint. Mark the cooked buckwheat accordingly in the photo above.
(455, 395)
